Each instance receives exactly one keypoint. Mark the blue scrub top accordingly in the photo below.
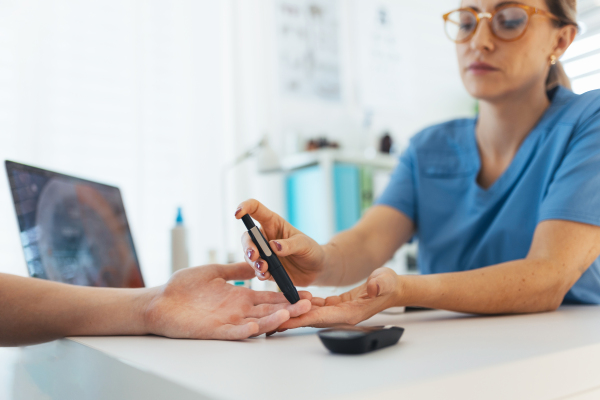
(554, 175)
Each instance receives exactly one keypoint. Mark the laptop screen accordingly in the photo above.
(72, 230)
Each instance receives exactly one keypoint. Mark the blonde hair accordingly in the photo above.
(557, 76)
(566, 11)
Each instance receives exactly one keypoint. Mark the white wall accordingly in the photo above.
(127, 92)
(429, 85)
(157, 96)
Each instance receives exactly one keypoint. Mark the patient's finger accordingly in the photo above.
(333, 300)
(276, 297)
(272, 322)
(301, 307)
(236, 332)
(262, 310)
(233, 271)
(318, 301)
(320, 318)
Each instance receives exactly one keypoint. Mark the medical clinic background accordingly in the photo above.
(203, 104)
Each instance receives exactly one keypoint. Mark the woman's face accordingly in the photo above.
(512, 67)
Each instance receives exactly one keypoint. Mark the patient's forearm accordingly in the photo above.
(520, 286)
(35, 310)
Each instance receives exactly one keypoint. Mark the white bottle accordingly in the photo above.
(179, 250)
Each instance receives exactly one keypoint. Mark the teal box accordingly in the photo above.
(346, 183)
(307, 200)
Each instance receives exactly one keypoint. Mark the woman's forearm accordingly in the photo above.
(519, 286)
(35, 310)
(352, 255)
(346, 261)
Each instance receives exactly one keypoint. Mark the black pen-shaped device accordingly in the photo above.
(275, 268)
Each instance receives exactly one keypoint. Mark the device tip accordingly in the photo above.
(248, 221)
(292, 296)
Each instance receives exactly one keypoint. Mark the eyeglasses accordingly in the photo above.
(507, 23)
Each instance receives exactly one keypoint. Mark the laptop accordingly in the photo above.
(73, 230)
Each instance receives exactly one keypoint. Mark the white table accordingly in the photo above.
(442, 355)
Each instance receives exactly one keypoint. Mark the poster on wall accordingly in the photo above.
(308, 34)
(380, 49)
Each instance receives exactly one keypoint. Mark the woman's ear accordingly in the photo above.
(565, 37)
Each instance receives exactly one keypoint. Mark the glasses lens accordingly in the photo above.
(509, 23)
(460, 24)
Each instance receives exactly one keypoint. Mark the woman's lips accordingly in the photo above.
(480, 68)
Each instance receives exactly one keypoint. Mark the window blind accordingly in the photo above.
(582, 60)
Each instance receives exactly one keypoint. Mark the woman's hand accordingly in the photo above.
(198, 303)
(381, 291)
(302, 257)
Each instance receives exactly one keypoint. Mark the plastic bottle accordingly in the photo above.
(179, 250)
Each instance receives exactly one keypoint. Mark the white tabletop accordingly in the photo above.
(441, 355)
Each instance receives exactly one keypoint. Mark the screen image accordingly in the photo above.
(72, 230)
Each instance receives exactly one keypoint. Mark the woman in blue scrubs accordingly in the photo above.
(505, 206)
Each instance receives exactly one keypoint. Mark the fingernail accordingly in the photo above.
(378, 289)
(257, 264)
(277, 244)
(262, 274)
(238, 210)
(249, 253)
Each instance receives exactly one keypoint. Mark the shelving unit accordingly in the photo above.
(321, 186)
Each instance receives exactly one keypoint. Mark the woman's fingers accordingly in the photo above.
(262, 276)
(252, 258)
(256, 210)
(262, 269)
(250, 251)
(296, 244)
(383, 281)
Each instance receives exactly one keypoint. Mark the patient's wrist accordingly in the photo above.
(146, 312)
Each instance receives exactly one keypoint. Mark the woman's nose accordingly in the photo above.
(483, 39)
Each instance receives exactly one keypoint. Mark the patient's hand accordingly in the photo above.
(197, 303)
(378, 293)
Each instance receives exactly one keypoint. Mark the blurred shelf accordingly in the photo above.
(326, 156)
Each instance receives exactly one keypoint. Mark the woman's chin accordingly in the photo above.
(485, 91)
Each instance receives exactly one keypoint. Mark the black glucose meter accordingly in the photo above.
(359, 339)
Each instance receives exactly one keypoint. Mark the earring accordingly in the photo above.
(552, 59)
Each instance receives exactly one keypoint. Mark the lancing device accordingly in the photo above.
(275, 268)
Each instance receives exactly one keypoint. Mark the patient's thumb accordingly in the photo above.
(381, 282)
